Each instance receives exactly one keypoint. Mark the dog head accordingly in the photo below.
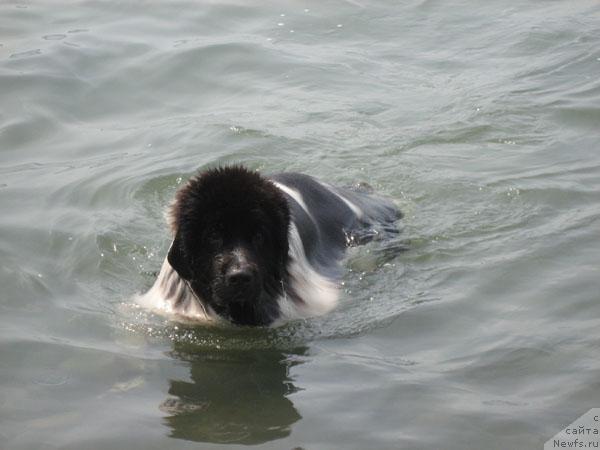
(231, 243)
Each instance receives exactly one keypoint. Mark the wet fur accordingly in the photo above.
(289, 230)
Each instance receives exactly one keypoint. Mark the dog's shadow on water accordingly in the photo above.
(235, 394)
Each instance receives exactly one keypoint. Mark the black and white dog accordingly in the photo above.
(255, 250)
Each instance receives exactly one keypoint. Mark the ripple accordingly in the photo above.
(481, 315)
(54, 37)
(26, 54)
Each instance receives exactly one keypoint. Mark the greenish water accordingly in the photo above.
(481, 119)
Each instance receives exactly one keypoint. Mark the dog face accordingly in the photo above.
(231, 243)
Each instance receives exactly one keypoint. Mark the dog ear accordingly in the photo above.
(177, 258)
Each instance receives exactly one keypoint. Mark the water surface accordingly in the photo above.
(481, 120)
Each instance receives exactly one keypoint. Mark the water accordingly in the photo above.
(481, 120)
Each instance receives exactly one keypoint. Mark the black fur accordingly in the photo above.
(222, 216)
(232, 230)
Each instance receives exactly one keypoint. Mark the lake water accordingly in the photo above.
(482, 120)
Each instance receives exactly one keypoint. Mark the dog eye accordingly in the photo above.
(258, 238)
(215, 239)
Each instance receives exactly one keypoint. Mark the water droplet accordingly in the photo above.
(339, 25)
(280, 24)
(282, 15)
(307, 10)
(291, 31)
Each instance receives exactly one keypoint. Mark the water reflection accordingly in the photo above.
(233, 396)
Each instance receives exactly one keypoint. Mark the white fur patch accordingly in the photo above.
(355, 209)
(171, 295)
(318, 294)
(294, 194)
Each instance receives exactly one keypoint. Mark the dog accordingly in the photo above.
(255, 250)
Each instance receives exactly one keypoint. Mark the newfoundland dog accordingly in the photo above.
(257, 250)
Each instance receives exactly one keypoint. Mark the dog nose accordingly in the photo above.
(240, 277)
